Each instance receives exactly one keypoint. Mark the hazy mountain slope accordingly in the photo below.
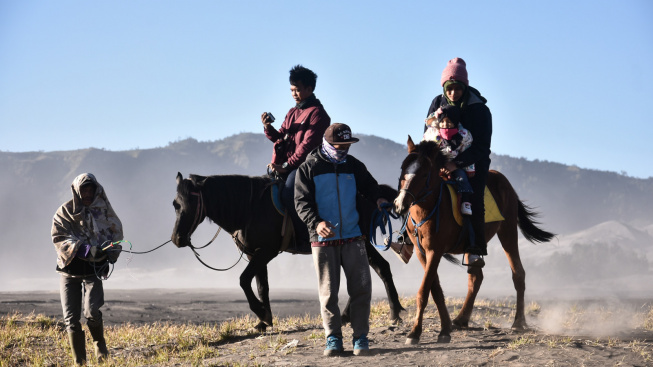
(141, 186)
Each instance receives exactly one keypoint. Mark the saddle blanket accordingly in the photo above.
(492, 212)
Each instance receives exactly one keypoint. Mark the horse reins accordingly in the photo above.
(381, 217)
(200, 214)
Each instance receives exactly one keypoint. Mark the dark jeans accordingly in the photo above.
(478, 182)
(77, 292)
(463, 186)
(288, 199)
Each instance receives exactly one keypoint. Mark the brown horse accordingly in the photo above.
(433, 228)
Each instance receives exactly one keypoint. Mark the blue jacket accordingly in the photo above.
(327, 191)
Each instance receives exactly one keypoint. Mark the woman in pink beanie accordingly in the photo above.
(477, 119)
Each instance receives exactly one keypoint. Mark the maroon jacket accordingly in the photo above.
(301, 132)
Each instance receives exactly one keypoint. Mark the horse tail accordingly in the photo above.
(526, 221)
(452, 259)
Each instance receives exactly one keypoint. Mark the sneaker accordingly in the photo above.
(474, 260)
(466, 208)
(333, 346)
(361, 346)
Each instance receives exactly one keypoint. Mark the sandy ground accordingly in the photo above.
(149, 305)
(605, 338)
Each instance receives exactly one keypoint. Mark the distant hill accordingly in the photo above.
(141, 186)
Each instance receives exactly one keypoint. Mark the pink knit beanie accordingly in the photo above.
(456, 69)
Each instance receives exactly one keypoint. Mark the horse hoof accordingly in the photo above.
(444, 338)
(519, 327)
(459, 324)
(397, 321)
(412, 341)
(268, 318)
(261, 327)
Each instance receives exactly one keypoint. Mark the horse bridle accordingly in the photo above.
(426, 188)
(435, 210)
(200, 212)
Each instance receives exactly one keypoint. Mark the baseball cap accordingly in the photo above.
(339, 134)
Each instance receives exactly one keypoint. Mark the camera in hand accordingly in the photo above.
(269, 117)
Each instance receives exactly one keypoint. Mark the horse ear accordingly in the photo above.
(411, 145)
(197, 180)
(179, 178)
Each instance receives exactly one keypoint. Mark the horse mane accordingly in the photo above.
(387, 192)
(232, 199)
(428, 150)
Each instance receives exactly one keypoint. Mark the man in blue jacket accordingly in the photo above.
(325, 198)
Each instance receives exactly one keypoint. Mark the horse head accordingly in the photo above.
(419, 173)
(189, 208)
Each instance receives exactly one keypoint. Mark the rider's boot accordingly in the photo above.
(302, 241)
(477, 247)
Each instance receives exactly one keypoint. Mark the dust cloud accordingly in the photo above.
(611, 257)
(595, 318)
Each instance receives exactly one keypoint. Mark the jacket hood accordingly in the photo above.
(78, 182)
(475, 96)
(75, 224)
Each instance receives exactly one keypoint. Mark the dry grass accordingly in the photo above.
(36, 340)
(648, 321)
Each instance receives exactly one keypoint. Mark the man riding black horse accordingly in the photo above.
(300, 133)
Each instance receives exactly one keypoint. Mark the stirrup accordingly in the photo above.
(476, 260)
(402, 250)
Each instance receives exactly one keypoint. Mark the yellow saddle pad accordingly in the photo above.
(492, 212)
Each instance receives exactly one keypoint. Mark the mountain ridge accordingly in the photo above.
(140, 184)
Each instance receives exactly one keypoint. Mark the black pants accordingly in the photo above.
(478, 182)
(81, 294)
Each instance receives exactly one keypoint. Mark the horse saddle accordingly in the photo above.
(287, 228)
(492, 212)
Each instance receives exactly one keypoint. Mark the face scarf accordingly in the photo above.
(461, 101)
(448, 133)
(334, 155)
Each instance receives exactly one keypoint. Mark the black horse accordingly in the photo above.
(242, 206)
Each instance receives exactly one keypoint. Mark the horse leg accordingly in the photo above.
(422, 298)
(508, 236)
(264, 295)
(256, 264)
(382, 269)
(474, 280)
(438, 298)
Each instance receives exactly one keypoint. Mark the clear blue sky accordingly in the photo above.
(566, 81)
